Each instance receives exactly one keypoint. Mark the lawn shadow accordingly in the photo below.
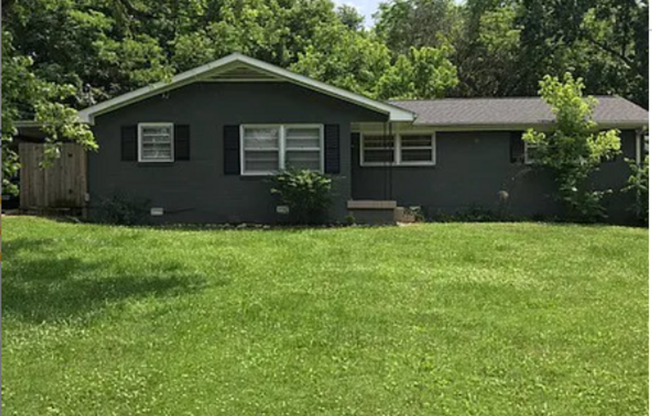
(45, 288)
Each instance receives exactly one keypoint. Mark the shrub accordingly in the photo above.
(306, 193)
(638, 184)
(122, 210)
(573, 149)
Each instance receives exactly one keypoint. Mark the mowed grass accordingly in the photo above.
(432, 319)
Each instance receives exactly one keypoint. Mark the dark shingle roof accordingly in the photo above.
(611, 110)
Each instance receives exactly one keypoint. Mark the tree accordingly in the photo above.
(346, 59)
(573, 150)
(350, 17)
(403, 24)
(26, 96)
(603, 41)
(487, 55)
(423, 73)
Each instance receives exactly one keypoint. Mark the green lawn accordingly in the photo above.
(437, 319)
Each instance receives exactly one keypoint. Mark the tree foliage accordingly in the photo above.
(574, 149)
(27, 96)
(638, 184)
(422, 73)
(504, 47)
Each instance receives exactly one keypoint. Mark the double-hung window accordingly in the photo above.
(408, 149)
(155, 142)
(268, 149)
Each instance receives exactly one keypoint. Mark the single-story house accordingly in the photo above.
(202, 147)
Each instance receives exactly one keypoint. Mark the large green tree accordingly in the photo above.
(27, 96)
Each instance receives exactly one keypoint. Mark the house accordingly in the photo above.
(201, 147)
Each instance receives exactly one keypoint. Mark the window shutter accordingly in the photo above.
(332, 148)
(232, 150)
(181, 142)
(516, 147)
(129, 143)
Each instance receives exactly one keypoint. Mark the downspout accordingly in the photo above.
(638, 147)
(391, 168)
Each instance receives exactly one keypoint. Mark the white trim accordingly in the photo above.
(282, 146)
(377, 127)
(397, 143)
(202, 72)
(245, 80)
(140, 141)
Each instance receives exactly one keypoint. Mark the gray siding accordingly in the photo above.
(197, 190)
(472, 168)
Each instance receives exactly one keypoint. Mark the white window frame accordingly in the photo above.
(642, 141)
(526, 156)
(140, 141)
(282, 146)
(398, 162)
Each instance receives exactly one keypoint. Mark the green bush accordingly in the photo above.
(638, 184)
(306, 193)
(120, 209)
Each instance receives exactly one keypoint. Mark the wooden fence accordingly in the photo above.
(62, 185)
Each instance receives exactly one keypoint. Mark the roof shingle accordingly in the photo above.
(611, 110)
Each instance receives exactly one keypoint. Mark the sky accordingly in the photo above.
(367, 8)
(364, 7)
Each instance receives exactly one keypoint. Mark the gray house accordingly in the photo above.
(201, 148)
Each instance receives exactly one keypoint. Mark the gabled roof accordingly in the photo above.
(236, 67)
(611, 111)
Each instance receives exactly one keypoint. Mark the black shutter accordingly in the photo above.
(129, 143)
(181, 142)
(516, 147)
(332, 148)
(231, 150)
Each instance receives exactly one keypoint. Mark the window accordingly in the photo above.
(528, 152)
(416, 149)
(261, 149)
(303, 148)
(155, 142)
(378, 150)
(642, 146)
(397, 150)
(268, 149)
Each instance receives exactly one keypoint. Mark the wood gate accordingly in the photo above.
(59, 186)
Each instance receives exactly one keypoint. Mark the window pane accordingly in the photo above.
(261, 161)
(416, 155)
(156, 131)
(156, 143)
(296, 138)
(303, 160)
(378, 142)
(379, 156)
(261, 137)
(416, 141)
